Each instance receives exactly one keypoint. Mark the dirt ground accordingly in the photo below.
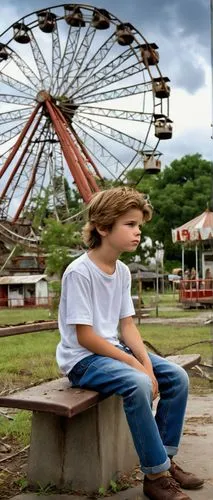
(12, 470)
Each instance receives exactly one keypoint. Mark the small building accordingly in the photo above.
(24, 291)
(148, 278)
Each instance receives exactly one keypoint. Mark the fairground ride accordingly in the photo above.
(82, 99)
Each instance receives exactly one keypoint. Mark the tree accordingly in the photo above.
(181, 192)
(59, 242)
(52, 203)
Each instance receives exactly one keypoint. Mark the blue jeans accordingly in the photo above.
(155, 437)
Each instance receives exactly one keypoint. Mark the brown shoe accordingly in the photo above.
(185, 479)
(163, 488)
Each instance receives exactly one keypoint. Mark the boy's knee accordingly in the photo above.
(182, 377)
(142, 384)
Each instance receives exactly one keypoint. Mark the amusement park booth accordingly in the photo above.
(197, 286)
(23, 291)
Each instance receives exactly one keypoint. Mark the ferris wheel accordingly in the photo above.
(82, 99)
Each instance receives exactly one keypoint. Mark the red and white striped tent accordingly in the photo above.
(196, 230)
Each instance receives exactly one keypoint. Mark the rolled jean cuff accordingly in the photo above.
(157, 468)
(171, 450)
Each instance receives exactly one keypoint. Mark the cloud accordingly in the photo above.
(181, 28)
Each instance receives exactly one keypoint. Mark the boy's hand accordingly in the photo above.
(138, 366)
(155, 389)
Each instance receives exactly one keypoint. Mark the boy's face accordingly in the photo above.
(126, 232)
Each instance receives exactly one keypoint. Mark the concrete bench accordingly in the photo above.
(79, 440)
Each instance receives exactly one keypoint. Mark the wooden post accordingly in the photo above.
(139, 297)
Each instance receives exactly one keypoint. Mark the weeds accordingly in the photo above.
(19, 427)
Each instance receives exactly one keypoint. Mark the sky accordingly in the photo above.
(181, 29)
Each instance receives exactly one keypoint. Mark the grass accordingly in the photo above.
(28, 358)
(166, 299)
(21, 315)
(25, 359)
(18, 428)
(168, 338)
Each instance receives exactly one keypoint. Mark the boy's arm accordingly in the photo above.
(94, 343)
(131, 337)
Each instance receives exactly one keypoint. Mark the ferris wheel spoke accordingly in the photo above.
(56, 57)
(16, 99)
(28, 150)
(58, 170)
(67, 58)
(59, 196)
(27, 176)
(26, 70)
(95, 62)
(21, 140)
(135, 161)
(116, 113)
(23, 152)
(16, 85)
(20, 175)
(11, 133)
(42, 175)
(42, 170)
(107, 159)
(100, 161)
(41, 64)
(52, 190)
(11, 116)
(80, 56)
(117, 93)
(112, 133)
(43, 139)
(105, 70)
(113, 78)
(4, 156)
(15, 185)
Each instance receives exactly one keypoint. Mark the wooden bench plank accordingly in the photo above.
(36, 326)
(56, 397)
(185, 360)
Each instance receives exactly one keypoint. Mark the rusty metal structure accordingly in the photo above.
(82, 98)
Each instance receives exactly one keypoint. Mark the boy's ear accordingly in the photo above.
(101, 230)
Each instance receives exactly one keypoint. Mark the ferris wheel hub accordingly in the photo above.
(43, 96)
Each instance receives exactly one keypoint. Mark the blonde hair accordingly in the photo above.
(106, 206)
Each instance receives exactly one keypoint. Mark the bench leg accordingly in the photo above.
(84, 452)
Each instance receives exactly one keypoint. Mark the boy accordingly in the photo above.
(95, 299)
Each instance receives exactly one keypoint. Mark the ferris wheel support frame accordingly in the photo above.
(30, 184)
(82, 159)
(20, 140)
(20, 159)
(87, 155)
(67, 144)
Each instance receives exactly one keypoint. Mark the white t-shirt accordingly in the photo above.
(92, 297)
